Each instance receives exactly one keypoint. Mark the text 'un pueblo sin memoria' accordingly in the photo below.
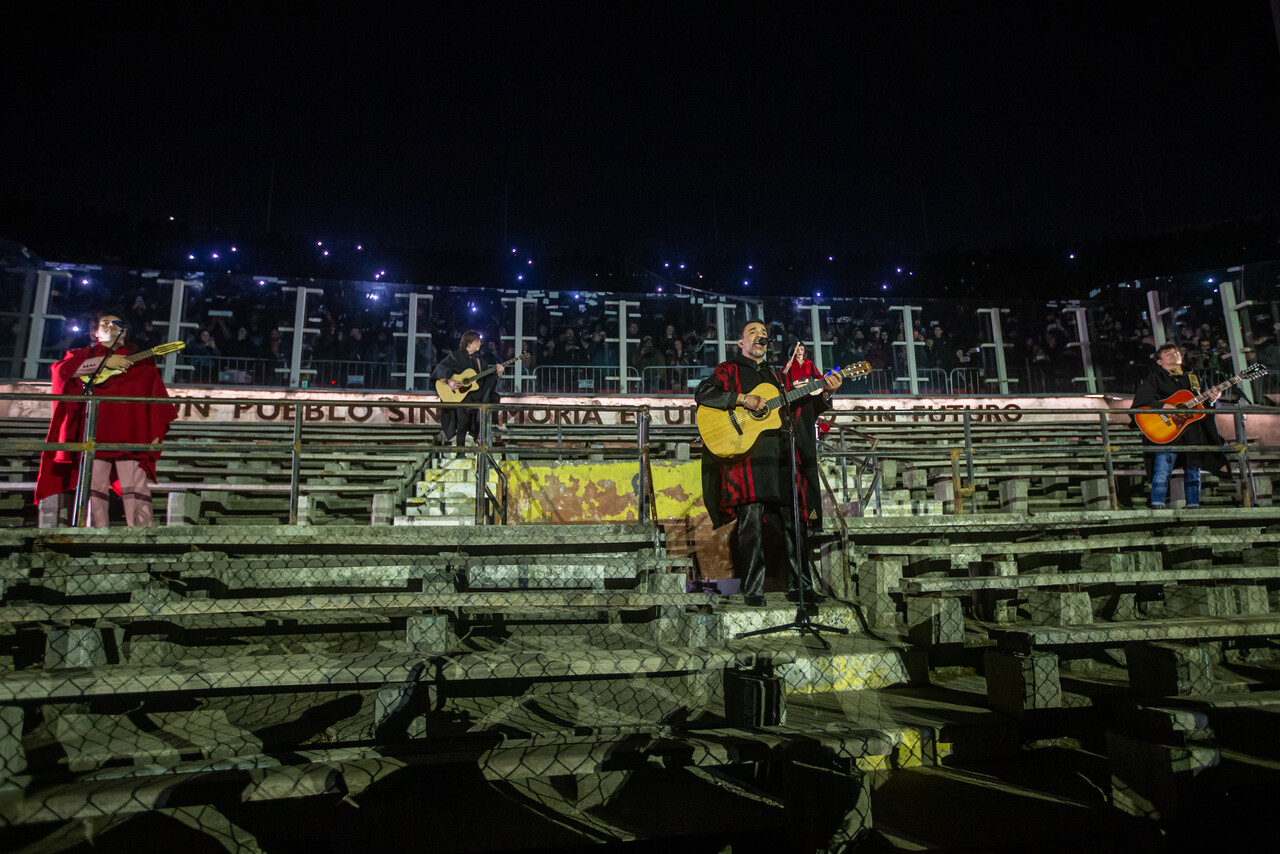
(388, 412)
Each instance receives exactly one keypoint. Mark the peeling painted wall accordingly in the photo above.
(606, 492)
(600, 492)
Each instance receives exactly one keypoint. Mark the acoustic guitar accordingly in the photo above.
(733, 432)
(468, 381)
(1162, 426)
(158, 350)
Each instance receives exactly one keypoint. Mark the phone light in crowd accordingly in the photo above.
(359, 247)
(191, 257)
(84, 281)
(1072, 256)
(666, 263)
(745, 283)
(884, 287)
(751, 266)
(681, 266)
(520, 277)
(170, 219)
(215, 255)
(831, 257)
(233, 249)
(261, 282)
(326, 252)
(1211, 280)
(659, 288)
(819, 294)
(530, 261)
(513, 250)
(77, 327)
(899, 269)
(319, 243)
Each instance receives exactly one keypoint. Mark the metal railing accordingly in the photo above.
(1092, 449)
(271, 439)
(961, 439)
(580, 379)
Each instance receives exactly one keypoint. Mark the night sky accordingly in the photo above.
(684, 128)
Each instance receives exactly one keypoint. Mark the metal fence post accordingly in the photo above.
(968, 461)
(1107, 461)
(482, 465)
(80, 513)
(1248, 490)
(295, 464)
(642, 447)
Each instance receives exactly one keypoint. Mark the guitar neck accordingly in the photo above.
(1219, 388)
(488, 371)
(138, 357)
(797, 393)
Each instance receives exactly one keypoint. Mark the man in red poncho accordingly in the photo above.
(133, 423)
(755, 489)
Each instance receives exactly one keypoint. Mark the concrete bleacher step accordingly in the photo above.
(302, 539)
(567, 571)
(737, 618)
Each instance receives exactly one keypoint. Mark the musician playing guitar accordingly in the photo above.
(458, 422)
(1165, 381)
(799, 370)
(755, 489)
(124, 423)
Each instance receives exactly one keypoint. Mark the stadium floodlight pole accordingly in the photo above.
(624, 320)
(1082, 343)
(815, 332)
(175, 324)
(40, 314)
(518, 339)
(722, 337)
(411, 336)
(1157, 317)
(909, 341)
(299, 328)
(996, 345)
(1231, 311)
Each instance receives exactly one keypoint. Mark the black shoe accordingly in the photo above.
(753, 601)
(811, 597)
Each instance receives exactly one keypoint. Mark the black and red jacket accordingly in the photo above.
(764, 474)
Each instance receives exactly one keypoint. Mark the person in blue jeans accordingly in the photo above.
(1166, 380)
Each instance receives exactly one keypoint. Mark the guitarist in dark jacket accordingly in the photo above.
(458, 421)
(756, 488)
(1166, 380)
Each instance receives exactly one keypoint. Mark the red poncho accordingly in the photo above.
(804, 371)
(134, 423)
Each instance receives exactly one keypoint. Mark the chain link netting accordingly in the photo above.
(558, 661)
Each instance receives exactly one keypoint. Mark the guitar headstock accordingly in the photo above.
(171, 347)
(858, 369)
(1254, 371)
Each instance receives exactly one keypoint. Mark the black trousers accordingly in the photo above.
(458, 422)
(765, 541)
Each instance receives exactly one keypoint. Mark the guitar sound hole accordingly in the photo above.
(759, 416)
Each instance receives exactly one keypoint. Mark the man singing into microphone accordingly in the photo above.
(755, 489)
(124, 423)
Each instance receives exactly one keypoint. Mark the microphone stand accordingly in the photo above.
(84, 475)
(802, 624)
